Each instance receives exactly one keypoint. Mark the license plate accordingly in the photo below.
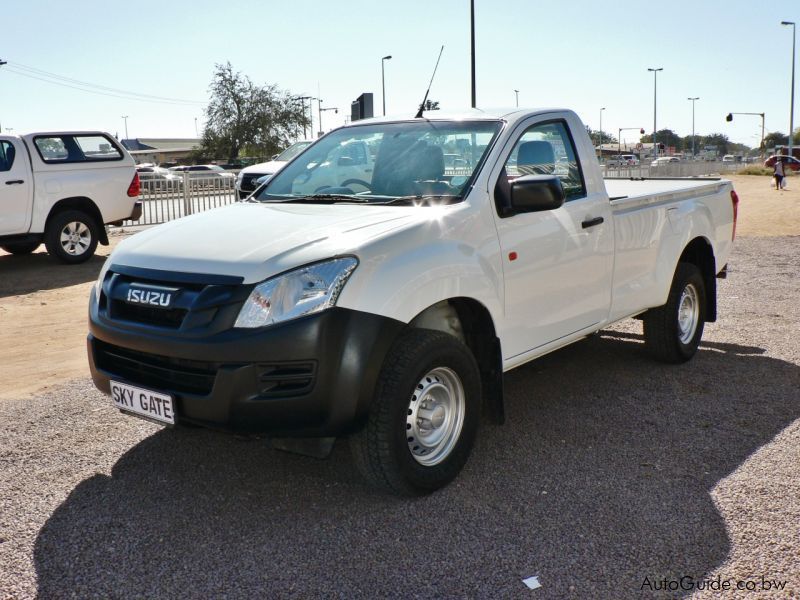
(143, 402)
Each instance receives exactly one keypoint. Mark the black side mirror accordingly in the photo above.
(534, 193)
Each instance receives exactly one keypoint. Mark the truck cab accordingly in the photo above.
(61, 188)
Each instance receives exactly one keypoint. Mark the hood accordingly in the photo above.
(265, 168)
(256, 241)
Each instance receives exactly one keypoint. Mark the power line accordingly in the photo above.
(92, 88)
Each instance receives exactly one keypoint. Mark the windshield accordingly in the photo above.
(386, 161)
(292, 151)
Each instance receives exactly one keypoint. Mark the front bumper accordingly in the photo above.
(313, 376)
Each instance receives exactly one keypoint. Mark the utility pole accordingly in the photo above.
(600, 143)
(125, 117)
(791, 106)
(472, 42)
(383, 81)
(693, 101)
(2, 62)
(655, 95)
(517, 93)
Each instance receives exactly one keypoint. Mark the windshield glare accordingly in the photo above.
(376, 163)
(292, 151)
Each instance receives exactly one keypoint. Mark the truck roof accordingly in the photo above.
(467, 114)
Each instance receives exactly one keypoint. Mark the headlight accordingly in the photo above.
(297, 293)
(98, 285)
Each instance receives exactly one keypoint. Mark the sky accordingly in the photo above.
(583, 55)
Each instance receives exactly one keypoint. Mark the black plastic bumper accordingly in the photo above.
(313, 376)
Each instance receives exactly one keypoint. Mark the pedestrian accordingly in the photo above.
(778, 173)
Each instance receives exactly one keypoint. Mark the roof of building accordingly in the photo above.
(161, 143)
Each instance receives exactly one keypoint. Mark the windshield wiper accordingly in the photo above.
(316, 198)
(421, 198)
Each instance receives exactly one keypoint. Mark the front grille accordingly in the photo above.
(248, 183)
(139, 313)
(285, 379)
(160, 372)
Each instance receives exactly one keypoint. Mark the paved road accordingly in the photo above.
(611, 469)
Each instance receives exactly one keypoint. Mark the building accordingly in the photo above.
(160, 150)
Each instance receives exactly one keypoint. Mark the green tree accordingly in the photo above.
(431, 105)
(666, 137)
(595, 135)
(242, 117)
(775, 138)
(719, 140)
(698, 144)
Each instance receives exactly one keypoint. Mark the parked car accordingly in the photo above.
(154, 178)
(247, 177)
(664, 160)
(728, 158)
(788, 161)
(206, 174)
(61, 188)
(389, 311)
(622, 160)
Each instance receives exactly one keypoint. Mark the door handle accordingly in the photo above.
(592, 222)
(14, 181)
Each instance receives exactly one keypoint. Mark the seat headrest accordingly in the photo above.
(536, 153)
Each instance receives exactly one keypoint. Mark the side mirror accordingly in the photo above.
(534, 193)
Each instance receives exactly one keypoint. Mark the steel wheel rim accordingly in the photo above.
(75, 238)
(688, 314)
(435, 416)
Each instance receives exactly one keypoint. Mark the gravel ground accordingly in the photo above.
(611, 469)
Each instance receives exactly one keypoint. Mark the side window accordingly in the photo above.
(76, 148)
(97, 147)
(547, 149)
(7, 154)
(52, 149)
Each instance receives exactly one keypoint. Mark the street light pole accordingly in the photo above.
(655, 95)
(125, 118)
(383, 81)
(693, 101)
(791, 106)
(600, 143)
(516, 92)
(472, 44)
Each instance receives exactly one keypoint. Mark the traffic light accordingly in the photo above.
(729, 118)
(641, 131)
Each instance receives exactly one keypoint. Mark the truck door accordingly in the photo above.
(16, 187)
(557, 264)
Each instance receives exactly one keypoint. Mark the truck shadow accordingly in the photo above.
(39, 271)
(600, 477)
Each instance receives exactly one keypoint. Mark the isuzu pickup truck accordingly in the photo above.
(62, 188)
(387, 309)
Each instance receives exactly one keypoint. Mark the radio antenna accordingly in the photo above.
(425, 99)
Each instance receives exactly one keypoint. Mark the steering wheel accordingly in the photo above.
(360, 182)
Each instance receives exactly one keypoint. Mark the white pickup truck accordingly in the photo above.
(61, 188)
(389, 310)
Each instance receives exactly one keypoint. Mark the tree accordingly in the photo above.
(431, 105)
(775, 138)
(719, 140)
(244, 117)
(595, 135)
(666, 137)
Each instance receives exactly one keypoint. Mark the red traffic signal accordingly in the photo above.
(641, 131)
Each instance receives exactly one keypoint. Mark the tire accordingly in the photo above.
(672, 332)
(71, 237)
(401, 451)
(21, 248)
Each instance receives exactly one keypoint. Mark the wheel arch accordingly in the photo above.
(700, 253)
(471, 322)
(83, 204)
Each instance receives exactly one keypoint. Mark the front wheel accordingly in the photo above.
(672, 332)
(71, 237)
(424, 415)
